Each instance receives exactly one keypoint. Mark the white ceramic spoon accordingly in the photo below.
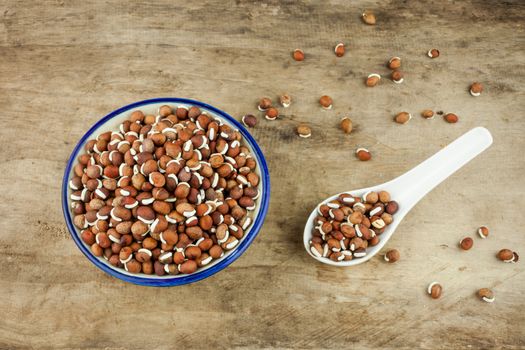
(413, 185)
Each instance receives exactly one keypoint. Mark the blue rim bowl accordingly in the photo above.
(216, 265)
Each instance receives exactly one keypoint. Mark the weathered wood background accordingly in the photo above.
(65, 64)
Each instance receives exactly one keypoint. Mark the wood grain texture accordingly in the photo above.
(65, 64)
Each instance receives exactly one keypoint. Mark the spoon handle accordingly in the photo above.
(410, 187)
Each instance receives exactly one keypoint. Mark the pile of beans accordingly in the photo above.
(166, 193)
(346, 226)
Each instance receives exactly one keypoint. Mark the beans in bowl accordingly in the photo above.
(164, 194)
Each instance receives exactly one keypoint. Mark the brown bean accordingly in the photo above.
(216, 251)
(96, 249)
(149, 243)
(187, 267)
(192, 252)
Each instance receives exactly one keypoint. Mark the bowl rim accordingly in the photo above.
(199, 275)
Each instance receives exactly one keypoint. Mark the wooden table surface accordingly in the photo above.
(65, 64)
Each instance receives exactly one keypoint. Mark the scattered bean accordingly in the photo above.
(304, 131)
(433, 53)
(394, 63)
(483, 232)
(298, 55)
(285, 100)
(427, 114)
(403, 117)
(272, 113)
(369, 17)
(466, 243)
(486, 295)
(372, 80)
(339, 50)
(451, 118)
(435, 290)
(264, 104)
(476, 89)
(392, 256)
(508, 256)
(249, 120)
(363, 154)
(325, 102)
(346, 125)
(397, 77)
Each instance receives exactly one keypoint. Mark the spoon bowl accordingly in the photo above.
(411, 187)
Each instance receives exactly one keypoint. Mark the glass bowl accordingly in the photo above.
(110, 123)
